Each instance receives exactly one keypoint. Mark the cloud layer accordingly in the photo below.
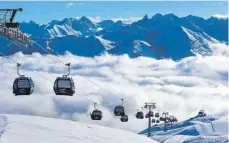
(220, 16)
(127, 20)
(180, 87)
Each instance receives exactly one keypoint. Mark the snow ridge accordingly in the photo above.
(106, 43)
(200, 42)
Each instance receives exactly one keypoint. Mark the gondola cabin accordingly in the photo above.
(153, 121)
(175, 119)
(96, 115)
(119, 111)
(157, 121)
(162, 119)
(140, 115)
(23, 86)
(124, 118)
(201, 113)
(167, 119)
(64, 86)
(157, 115)
(151, 114)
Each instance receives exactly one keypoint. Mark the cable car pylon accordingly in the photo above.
(150, 106)
(165, 120)
(10, 29)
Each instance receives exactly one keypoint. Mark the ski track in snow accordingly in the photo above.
(3, 124)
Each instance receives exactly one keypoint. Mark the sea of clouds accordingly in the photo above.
(180, 87)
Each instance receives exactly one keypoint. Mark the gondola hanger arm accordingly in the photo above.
(95, 105)
(68, 65)
(18, 65)
(122, 101)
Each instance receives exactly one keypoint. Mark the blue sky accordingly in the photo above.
(44, 12)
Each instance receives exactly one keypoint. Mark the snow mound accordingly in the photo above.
(31, 129)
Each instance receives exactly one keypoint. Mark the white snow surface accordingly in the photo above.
(200, 41)
(209, 132)
(32, 129)
(107, 43)
(142, 48)
(137, 44)
(204, 128)
(220, 127)
(197, 139)
(62, 30)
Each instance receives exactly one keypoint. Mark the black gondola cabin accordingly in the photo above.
(153, 120)
(157, 115)
(124, 118)
(140, 115)
(96, 115)
(119, 111)
(23, 86)
(64, 86)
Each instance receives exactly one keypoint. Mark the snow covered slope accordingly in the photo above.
(142, 48)
(198, 129)
(106, 43)
(31, 129)
(200, 42)
(62, 30)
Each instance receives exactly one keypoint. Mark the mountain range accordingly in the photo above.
(161, 36)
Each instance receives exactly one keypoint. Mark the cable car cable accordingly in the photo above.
(48, 79)
(48, 52)
(31, 70)
(42, 76)
(76, 94)
(82, 76)
(7, 56)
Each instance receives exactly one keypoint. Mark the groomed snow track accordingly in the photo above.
(207, 139)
